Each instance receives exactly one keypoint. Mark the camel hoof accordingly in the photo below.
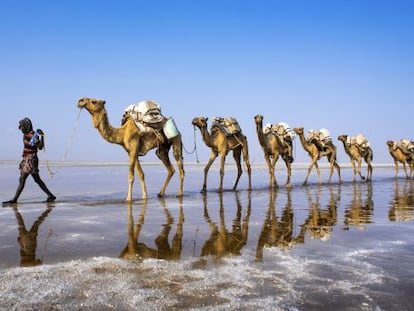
(160, 195)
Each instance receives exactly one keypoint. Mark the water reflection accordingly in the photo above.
(28, 238)
(360, 211)
(136, 250)
(278, 232)
(221, 241)
(320, 221)
(402, 205)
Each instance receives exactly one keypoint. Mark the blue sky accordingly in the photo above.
(343, 65)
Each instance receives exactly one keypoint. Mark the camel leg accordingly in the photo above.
(178, 155)
(289, 173)
(247, 162)
(318, 171)
(213, 156)
(162, 154)
(395, 168)
(354, 169)
(272, 181)
(313, 163)
(360, 169)
(338, 170)
(331, 166)
(222, 162)
(369, 171)
(141, 177)
(236, 156)
(405, 169)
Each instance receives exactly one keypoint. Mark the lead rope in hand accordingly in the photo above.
(69, 145)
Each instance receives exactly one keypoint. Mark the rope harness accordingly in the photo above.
(195, 147)
(69, 145)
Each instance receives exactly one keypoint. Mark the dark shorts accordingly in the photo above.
(30, 164)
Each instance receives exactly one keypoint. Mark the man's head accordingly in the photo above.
(25, 125)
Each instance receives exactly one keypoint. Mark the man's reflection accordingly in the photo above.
(28, 239)
(136, 250)
(278, 232)
(222, 242)
(360, 211)
(320, 221)
(402, 205)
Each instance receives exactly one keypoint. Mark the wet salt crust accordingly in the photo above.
(328, 247)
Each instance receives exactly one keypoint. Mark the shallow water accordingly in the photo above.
(342, 246)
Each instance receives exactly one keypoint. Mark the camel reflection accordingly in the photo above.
(222, 242)
(360, 211)
(402, 205)
(320, 221)
(136, 250)
(278, 233)
(28, 238)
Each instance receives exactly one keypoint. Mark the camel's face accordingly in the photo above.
(258, 118)
(200, 121)
(390, 143)
(91, 104)
(342, 137)
(298, 130)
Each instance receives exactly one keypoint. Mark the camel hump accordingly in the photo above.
(229, 125)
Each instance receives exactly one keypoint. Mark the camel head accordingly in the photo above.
(92, 105)
(298, 130)
(258, 119)
(200, 122)
(390, 143)
(342, 137)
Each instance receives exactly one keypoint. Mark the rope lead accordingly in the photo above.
(69, 145)
(195, 147)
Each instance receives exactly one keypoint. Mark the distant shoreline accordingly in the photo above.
(299, 165)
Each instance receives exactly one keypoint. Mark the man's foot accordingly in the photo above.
(9, 202)
(51, 198)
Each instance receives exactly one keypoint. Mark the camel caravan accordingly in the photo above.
(143, 128)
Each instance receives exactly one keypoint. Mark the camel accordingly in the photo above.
(320, 222)
(399, 156)
(279, 231)
(221, 144)
(136, 143)
(221, 241)
(356, 154)
(360, 211)
(136, 250)
(273, 146)
(402, 203)
(316, 154)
